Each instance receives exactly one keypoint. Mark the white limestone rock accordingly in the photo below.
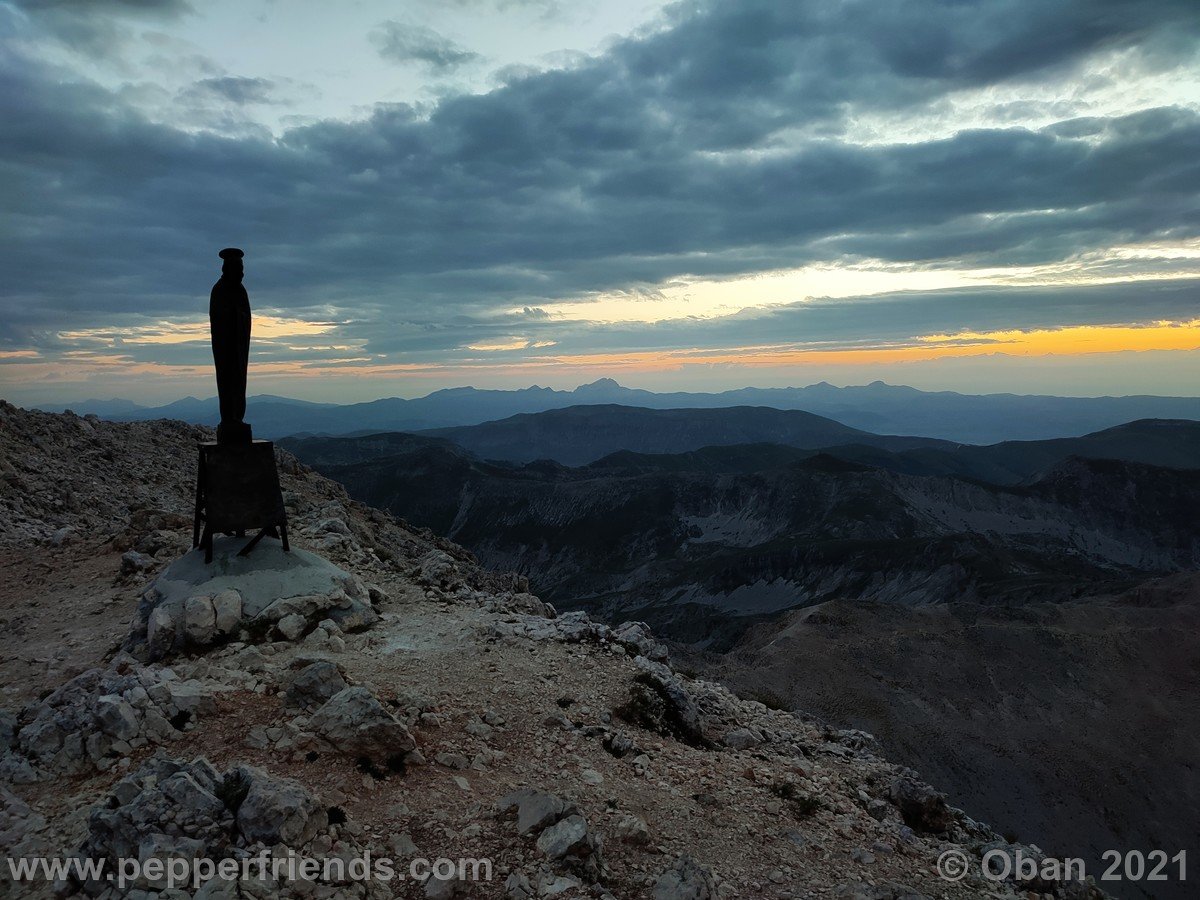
(227, 608)
(199, 619)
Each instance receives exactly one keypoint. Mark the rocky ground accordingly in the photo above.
(1071, 724)
(449, 714)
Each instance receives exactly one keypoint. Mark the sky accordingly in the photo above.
(952, 194)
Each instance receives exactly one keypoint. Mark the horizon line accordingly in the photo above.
(606, 380)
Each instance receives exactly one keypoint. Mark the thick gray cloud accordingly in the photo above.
(403, 43)
(98, 28)
(639, 165)
(234, 89)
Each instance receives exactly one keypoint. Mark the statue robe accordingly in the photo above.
(229, 319)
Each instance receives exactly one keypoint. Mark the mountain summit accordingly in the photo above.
(422, 707)
(599, 386)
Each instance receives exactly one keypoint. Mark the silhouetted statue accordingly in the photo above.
(229, 316)
(237, 479)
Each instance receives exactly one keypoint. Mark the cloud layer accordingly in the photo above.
(404, 43)
(715, 146)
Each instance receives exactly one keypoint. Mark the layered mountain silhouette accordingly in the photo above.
(750, 438)
(877, 407)
(582, 434)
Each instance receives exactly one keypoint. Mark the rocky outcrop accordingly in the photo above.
(659, 703)
(921, 807)
(101, 717)
(355, 723)
(169, 809)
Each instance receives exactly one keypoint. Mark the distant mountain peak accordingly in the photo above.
(600, 384)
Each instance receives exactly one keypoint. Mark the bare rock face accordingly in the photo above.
(292, 626)
(639, 640)
(227, 611)
(18, 823)
(922, 808)
(160, 633)
(276, 810)
(8, 730)
(173, 799)
(133, 562)
(633, 830)
(356, 724)
(535, 809)
(685, 880)
(437, 569)
(741, 739)
(267, 595)
(199, 619)
(569, 841)
(315, 684)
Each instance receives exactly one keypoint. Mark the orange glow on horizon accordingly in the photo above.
(1071, 341)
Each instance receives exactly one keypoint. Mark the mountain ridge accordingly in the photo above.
(876, 407)
(577, 435)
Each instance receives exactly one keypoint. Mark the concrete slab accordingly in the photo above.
(264, 576)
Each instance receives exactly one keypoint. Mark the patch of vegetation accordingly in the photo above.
(652, 706)
(801, 803)
(233, 790)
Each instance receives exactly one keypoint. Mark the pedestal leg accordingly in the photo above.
(199, 500)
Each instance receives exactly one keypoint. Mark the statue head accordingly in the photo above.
(231, 268)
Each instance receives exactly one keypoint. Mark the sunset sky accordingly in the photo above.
(974, 196)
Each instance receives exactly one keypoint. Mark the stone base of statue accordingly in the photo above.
(237, 490)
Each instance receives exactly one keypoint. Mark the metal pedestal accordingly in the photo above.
(237, 490)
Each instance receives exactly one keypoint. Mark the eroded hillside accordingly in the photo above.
(1025, 642)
